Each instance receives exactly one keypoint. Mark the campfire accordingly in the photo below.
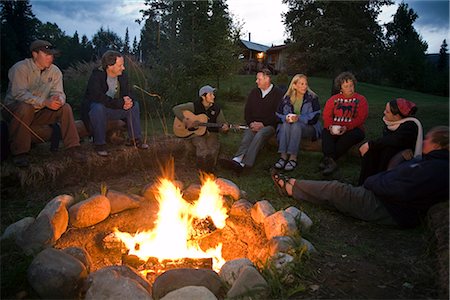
(180, 225)
(201, 235)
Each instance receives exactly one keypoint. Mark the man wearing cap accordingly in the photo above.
(207, 145)
(260, 116)
(35, 96)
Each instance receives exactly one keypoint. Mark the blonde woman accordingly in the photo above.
(299, 112)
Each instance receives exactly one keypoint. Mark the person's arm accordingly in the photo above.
(178, 109)
(57, 88)
(404, 137)
(19, 78)
(328, 113)
(283, 109)
(311, 115)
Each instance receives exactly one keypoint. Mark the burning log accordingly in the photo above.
(154, 267)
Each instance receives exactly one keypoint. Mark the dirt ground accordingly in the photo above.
(355, 260)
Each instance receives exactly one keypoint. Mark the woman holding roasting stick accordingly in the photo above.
(299, 113)
(206, 145)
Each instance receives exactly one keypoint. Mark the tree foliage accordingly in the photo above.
(18, 30)
(405, 52)
(106, 40)
(184, 41)
(332, 36)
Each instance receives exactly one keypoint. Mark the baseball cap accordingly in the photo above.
(43, 46)
(206, 89)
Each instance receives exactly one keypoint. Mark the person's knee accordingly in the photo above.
(97, 109)
(66, 108)
(24, 111)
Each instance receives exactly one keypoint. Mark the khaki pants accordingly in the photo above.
(20, 136)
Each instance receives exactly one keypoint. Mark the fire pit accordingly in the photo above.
(171, 228)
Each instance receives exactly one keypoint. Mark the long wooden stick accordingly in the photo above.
(23, 123)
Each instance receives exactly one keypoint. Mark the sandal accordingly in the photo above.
(290, 165)
(281, 188)
(280, 164)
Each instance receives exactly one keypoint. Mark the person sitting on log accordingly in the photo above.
(109, 97)
(400, 196)
(35, 96)
(344, 115)
(401, 132)
(299, 113)
(203, 138)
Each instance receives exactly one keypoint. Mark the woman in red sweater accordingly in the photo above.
(344, 115)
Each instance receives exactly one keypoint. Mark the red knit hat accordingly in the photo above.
(406, 108)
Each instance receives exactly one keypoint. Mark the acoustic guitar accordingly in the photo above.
(200, 123)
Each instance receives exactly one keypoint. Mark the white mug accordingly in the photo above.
(336, 129)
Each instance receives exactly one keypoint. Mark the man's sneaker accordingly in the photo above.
(76, 155)
(21, 160)
(138, 144)
(231, 165)
(101, 150)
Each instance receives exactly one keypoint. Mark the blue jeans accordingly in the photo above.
(289, 136)
(99, 116)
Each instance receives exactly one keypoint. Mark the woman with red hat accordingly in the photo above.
(402, 133)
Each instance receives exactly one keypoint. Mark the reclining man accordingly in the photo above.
(400, 196)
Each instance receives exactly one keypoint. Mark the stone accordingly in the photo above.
(282, 260)
(120, 201)
(80, 254)
(90, 211)
(14, 230)
(301, 217)
(228, 188)
(192, 192)
(309, 247)
(177, 278)
(280, 244)
(109, 284)
(232, 268)
(241, 208)
(279, 224)
(55, 274)
(36, 237)
(261, 210)
(56, 210)
(249, 283)
(190, 292)
(67, 200)
(124, 271)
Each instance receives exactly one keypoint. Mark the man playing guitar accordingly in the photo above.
(205, 138)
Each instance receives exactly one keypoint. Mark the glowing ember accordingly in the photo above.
(170, 239)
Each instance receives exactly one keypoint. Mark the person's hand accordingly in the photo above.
(53, 103)
(291, 118)
(128, 103)
(256, 126)
(225, 128)
(364, 148)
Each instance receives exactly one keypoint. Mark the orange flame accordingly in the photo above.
(170, 237)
